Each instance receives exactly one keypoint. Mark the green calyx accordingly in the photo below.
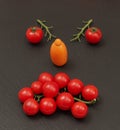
(38, 97)
(33, 29)
(93, 29)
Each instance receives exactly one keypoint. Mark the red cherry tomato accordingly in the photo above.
(75, 86)
(93, 35)
(90, 92)
(50, 89)
(62, 79)
(45, 76)
(47, 106)
(30, 107)
(79, 110)
(36, 87)
(25, 93)
(64, 101)
(34, 35)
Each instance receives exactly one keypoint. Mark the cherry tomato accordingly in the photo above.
(62, 79)
(45, 76)
(50, 89)
(90, 92)
(30, 107)
(36, 87)
(34, 35)
(79, 110)
(75, 86)
(64, 101)
(47, 106)
(93, 35)
(25, 93)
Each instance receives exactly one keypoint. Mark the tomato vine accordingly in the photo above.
(81, 32)
(47, 29)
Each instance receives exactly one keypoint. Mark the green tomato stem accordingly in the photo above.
(47, 29)
(38, 97)
(86, 102)
(93, 29)
(81, 32)
(33, 29)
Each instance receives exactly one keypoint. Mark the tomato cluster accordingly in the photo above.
(50, 92)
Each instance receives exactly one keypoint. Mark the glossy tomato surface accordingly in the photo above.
(30, 107)
(93, 35)
(25, 93)
(62, 79)
(47, 106)
(34, 34)
(75, 86)
(90, 92)
(65, 101)
(36, 87)
(79, 110)
(45, 77)
(50, 89)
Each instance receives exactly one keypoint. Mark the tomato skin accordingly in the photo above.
(50, 89)
(45, 77)
(93, 35)
(34, 34)
(75, 86)
(30, 107)
(47, 106)
(79, 110)
(36, 87)
(90, 92)
(61, 79)
(24, 94)
(64, 101)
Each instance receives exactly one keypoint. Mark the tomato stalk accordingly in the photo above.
(33, 29)
(47, 29)
(65, 89)
(38, 97)
(81, 32)
(86, 102)
(93, 29)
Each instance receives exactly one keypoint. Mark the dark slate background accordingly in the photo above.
(21, 63)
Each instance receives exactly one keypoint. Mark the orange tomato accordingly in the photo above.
(58, 53)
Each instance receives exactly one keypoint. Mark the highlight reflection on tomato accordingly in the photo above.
(47, 106)
(90, 92)
(65, 101)
(45, 77)
(75, 86)
(62, 79)
(30, 107)
(93, 35)
(34, 35)
(24, 94)
(79, 110)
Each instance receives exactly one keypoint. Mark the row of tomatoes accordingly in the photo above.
(51, 92)
(34, 35)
